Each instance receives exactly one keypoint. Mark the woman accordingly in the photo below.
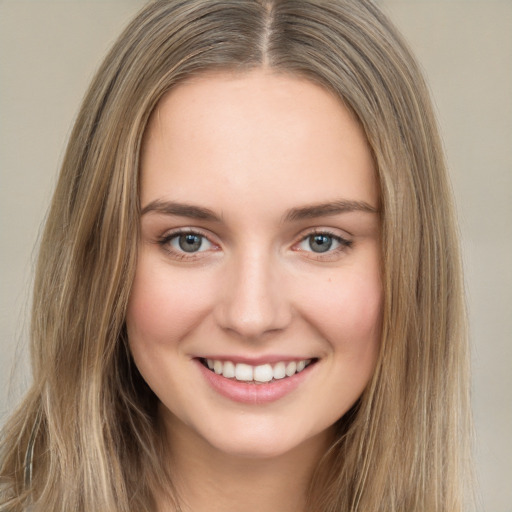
(248, 292)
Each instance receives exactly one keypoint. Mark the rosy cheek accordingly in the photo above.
(347, 310)
(163, 303)
(365, 308)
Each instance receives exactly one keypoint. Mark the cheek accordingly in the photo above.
(362, 308)
(347, 310)
(163, 305)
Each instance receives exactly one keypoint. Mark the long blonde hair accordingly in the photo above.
(86, 436)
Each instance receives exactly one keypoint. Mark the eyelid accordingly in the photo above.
(330, 255)
(344, 242)
(165, 239)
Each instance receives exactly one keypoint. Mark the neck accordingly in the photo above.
(209, 480)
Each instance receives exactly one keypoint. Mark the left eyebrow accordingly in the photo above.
(181, 210)
(327, 209)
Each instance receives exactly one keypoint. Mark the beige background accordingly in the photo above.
(48, 52)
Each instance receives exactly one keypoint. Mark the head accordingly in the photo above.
(88, 261)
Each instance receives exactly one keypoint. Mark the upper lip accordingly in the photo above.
(255, 361)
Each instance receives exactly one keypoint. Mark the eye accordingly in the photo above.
(183, 243)
(190, 242)
(323, 242)
(319, 242)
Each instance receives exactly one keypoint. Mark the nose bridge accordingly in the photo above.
(254, 301)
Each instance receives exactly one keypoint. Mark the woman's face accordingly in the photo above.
(259, 254)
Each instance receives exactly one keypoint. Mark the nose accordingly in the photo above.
(253, 301)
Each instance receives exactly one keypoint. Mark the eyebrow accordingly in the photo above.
(326, 209)
(294, 214)
(181, 210)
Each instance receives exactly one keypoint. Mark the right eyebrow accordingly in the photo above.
(328, 209)
(181, 210)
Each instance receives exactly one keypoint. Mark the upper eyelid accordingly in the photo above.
(164, 241)
(169, 235)
(338, 233)
(334, 232)
(186, 230)
(343, 241)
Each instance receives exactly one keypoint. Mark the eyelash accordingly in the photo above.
(328, 255)
(165, 243)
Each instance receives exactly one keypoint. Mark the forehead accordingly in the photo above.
(253, 134)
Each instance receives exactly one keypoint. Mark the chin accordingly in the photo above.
(264, 441)
(254, 448)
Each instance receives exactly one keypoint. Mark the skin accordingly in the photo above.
(250, 148)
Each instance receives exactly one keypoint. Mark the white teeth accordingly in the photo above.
(291, 368)
(217, 367)
(279, 371)
(261, 373)
(243, 372)
(229, 370)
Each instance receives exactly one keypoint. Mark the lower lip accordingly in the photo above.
(251, 393)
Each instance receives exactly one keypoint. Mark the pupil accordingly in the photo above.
(320, 243)
(190, 242)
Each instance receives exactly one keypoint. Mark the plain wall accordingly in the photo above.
(48, 53)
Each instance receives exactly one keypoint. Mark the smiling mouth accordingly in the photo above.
(260, 374)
